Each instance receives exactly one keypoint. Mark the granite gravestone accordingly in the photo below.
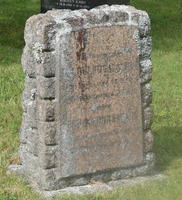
(87, 97)
(76, 4)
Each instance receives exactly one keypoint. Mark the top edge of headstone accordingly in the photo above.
(67, 21)
(98, 16)
(62, 14)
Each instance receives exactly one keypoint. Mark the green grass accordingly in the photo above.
(166, 17)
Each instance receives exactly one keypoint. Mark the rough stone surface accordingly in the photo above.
(146, 94)
(87, 96)
(47, 132)
(46, 110)
(149, 139)
(147, 116)
(46, 88)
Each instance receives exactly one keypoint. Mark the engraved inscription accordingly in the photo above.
(101, 101)
(71, 4)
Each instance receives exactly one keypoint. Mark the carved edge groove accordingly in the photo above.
(39, 100)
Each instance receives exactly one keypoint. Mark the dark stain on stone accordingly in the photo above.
(81, 44)
(81, 41)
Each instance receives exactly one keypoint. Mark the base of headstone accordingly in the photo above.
(94, 186)
(101, 187)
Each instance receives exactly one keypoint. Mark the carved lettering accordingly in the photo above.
(102, 100)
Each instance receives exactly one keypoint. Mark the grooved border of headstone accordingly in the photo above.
(42, 33)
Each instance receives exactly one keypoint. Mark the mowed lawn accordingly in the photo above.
(166, 17)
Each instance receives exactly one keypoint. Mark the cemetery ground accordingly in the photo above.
(166, 17)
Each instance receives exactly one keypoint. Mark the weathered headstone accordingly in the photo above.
(87, 97)
(76, 4)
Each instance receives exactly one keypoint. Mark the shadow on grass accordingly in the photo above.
(167, 147)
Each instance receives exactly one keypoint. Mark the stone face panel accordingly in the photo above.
(101, 101)
(87, 96)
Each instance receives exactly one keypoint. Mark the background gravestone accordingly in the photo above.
(87, 97)
(77, 4)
